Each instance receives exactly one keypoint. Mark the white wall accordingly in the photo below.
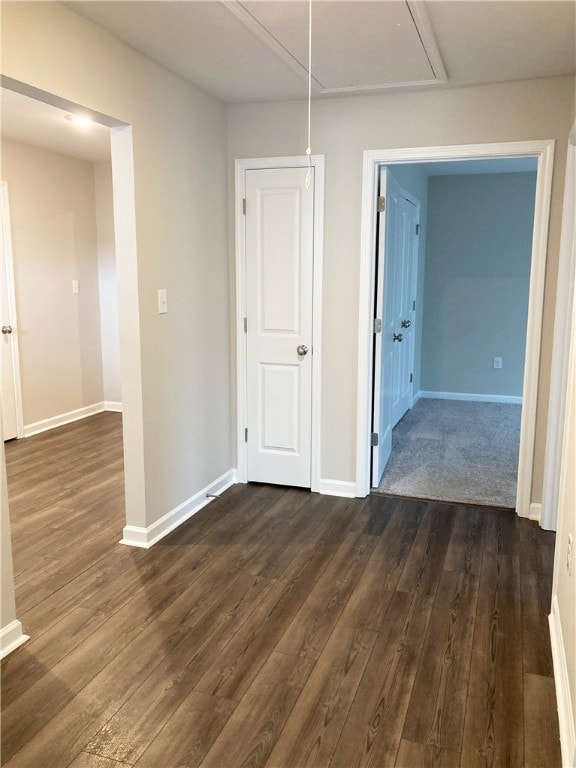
(477, 281)
(341, 129)
(53, 223)
(107, 282)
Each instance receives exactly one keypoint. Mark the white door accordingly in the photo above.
(397, 252)
(384, 347)
(279, 291)
(8, 323)
(406, 253)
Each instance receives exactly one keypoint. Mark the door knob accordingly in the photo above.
(302, 350)
(406, 323)
(6, 329)
(397, 337)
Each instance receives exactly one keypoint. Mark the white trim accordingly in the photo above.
(471, 397)
(535, 511)
(145, 537)
(113, 405)
(562, 682)
(12, 314)
(63, 418)
(544, 152)
(241, 166)
(561, 344)
(11, 637)
(338, 488)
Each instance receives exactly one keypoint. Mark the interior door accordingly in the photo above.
(279, 283)
(406, 252)
(396, 264)
(384, 345)
(7, 320)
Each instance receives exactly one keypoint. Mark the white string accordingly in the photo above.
(309, 150)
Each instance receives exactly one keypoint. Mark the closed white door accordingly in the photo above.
(7, 321)
(279, 291)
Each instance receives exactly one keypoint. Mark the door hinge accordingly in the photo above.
(377, 325)
(414, 306)
(417, 229)
(411, 378)
(374, 439)
(245, 325)
(246, 434)
(244, 206)
(381, 204)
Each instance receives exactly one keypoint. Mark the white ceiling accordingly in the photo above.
(42, 125)
(256, 50)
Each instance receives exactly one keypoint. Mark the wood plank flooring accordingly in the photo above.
(275, 628)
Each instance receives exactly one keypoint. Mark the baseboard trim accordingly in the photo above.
(338, 488)
(62, 419)
(563, 698)
(535, 512)
(145, 538)
(471, 397)
(113, 405)
(11, 637)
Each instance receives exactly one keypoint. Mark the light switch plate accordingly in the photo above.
(162, 302)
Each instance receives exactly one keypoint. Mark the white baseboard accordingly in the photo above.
(338, 488)
(11, 637)
(471, 397)
(61, 419)
(563, 698)
(135, 536)
(535, 511)
(112, 405)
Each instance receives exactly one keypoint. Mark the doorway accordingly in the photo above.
(542, 152)
(460, 442)
(279, 223)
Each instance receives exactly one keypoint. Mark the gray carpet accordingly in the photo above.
(455, 450)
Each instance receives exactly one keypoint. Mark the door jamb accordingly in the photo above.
(11, 293)
(241, 166)
(543, 151)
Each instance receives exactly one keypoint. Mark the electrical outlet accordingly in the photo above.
(569, 554)
(497, 362)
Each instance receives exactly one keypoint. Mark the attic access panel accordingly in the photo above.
(357, 44)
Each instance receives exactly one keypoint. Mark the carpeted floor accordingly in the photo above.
(456, 451)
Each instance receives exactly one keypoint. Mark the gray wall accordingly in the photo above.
(477, 282)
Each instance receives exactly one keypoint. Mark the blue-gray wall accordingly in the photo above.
(476, 283)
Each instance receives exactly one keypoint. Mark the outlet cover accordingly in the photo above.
(497, 362)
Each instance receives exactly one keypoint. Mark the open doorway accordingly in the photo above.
(64, 307)
(463, 327)
(542, 154)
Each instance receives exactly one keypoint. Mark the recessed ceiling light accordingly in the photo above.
(83, 121)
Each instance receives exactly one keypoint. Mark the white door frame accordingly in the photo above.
(561, 345)
(241, 166)
(543, 152)
(11, 292)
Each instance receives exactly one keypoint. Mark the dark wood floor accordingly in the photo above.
(275, 628)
